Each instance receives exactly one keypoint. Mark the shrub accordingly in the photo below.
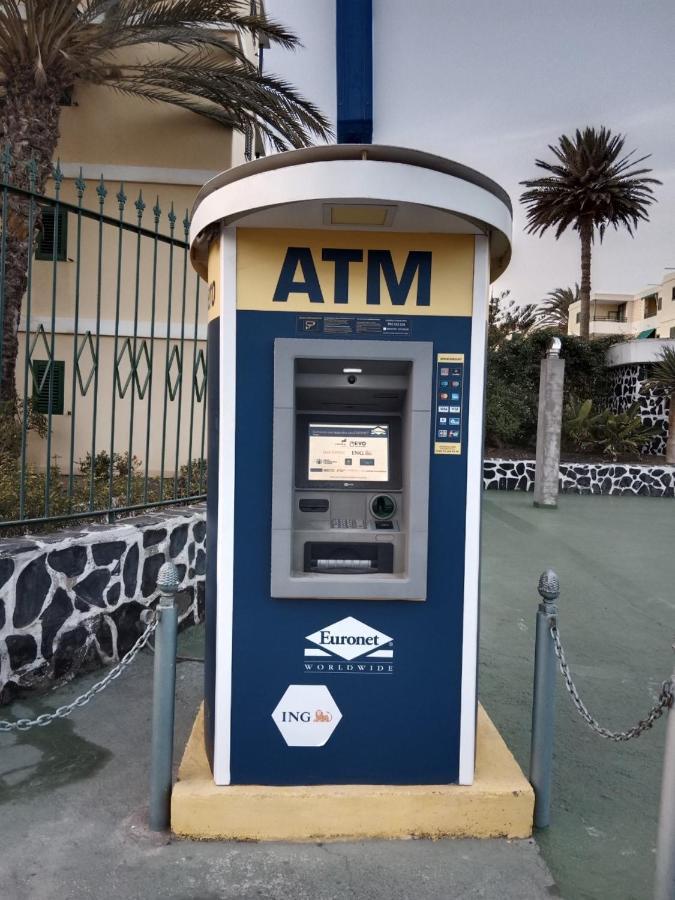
(611, 433)
(102, 464)
(513, 382)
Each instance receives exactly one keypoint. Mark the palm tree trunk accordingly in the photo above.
(586, 235)
(670, 443)
(29, 126)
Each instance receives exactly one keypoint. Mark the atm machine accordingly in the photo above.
(350, 504)
(348, 293)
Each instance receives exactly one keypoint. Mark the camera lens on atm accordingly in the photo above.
(351, 379)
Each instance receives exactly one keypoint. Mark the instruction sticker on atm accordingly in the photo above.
(354, 452)
(448, 397)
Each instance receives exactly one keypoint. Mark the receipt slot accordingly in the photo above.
(347, 315)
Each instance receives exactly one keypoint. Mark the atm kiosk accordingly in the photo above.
(348, 292)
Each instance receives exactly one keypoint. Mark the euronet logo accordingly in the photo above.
(349, 647)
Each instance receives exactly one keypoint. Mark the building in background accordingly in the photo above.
(120, 313)
(649, 313)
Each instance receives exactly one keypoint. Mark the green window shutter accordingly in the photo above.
(45, 248)
(672, 331)
(41, 384)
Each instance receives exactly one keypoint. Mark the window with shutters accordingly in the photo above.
(47, 248)
(43, 381)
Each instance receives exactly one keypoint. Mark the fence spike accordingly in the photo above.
(80, 184)
(121, 198)
(102, 191)
(172, 217)
(157, 211)
(140, 206)
(57, 175)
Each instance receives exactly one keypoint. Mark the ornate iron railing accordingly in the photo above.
(107, 411)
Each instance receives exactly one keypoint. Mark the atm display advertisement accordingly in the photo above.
(348, 452)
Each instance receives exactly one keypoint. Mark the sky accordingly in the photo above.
(491, 83)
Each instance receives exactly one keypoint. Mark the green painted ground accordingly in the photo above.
(616, 560)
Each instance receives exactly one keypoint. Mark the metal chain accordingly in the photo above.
(664, 702)
(83, 699)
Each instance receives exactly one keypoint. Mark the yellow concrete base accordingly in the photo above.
(499, 803)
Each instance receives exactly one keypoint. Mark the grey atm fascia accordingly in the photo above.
(411, 363)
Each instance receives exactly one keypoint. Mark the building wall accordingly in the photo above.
(662, 320)
(163, 154)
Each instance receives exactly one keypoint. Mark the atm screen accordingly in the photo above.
(339, 452)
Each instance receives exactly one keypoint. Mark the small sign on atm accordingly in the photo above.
(448, 442)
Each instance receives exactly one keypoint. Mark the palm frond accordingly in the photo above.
(243, 93)
(553, 312)
(663, 374)
(589, 181)
(62, 41)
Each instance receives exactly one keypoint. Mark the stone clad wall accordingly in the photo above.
(73, 599)
(627, 388)
(583, 478)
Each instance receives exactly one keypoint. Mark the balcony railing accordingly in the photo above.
(609, 317)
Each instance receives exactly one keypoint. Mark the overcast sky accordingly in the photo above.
(491, 83)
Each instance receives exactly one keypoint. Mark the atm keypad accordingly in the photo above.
(347, 523)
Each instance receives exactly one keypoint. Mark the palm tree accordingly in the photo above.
(47, 46)
(589, 187)
(554, 311)
(663, 380)
(507, 318)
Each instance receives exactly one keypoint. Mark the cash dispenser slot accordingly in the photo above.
(348, 558)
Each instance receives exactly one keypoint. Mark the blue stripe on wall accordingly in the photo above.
(354, 57)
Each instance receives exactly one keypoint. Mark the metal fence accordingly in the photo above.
(104, 369)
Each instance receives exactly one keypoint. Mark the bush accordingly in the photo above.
(102, 464)
(86, 494)
(513, 382)
(611, 433)
(192, 477)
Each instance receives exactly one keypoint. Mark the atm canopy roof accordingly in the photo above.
(297, 189)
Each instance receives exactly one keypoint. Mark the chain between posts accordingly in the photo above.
(63, 711)
(664, 702)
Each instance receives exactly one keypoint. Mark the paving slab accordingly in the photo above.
(72, 797)
(615, 559)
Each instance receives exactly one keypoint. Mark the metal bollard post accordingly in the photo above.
(543, 699)
(665, 846)
(163, 701)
